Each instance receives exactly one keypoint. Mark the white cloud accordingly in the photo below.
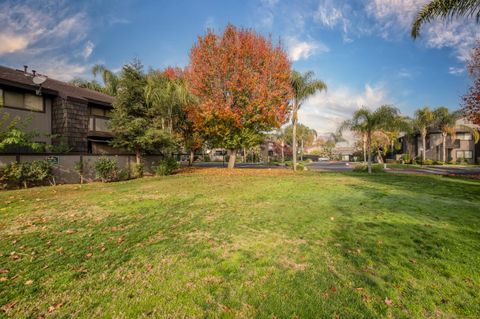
(29, 26)
(298, 50)
(88, 49)
(404, 73)
(455, 71)
(12, 43)
(394, 19)
(324, 112)
(43, 35)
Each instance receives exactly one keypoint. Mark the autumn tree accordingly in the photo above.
(242, 82)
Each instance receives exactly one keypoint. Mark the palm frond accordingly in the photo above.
(445, 9)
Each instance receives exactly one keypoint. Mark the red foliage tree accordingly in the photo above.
(242, 83)
(471, 100)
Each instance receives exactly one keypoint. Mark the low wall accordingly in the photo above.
(64, 164)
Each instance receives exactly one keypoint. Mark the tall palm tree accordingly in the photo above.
(368, 122)
(109, 78)
(445, 9)
(423, 120)
(445, 122)
(304, 86)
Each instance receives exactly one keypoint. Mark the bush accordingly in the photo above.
(106, 169)
(206, 158)
(123, 175)
(166, 167)
(439, 163)
(461, 161)
(427, 162)
(376, 168)
(26, 174)
(452, 162)
(137, 170)
(301, 167)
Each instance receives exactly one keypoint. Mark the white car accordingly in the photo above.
(323, 159)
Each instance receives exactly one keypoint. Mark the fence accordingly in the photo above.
(64, 164)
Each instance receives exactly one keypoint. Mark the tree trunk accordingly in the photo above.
(244, 159)
(294, 138)
(191, 158)
(392, 149)
(424, 137)
(444, 147)
(283, 151)
(301, 152)
(138, 157)
(380, 158)
(232, 156)
(369, 152)
(364, 149)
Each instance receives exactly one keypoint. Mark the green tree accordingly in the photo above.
(445, 9)
(14, 134)
(423, 120)
(445, 122)
(135, 123)
(109, 78)
(365, 121)
(305, 136)
(304, 86)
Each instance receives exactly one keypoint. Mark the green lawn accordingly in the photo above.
(265, 244)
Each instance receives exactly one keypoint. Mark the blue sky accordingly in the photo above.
(361, 49)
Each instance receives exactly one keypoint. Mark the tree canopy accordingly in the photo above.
(242, 82)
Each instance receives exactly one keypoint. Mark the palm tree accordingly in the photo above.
(445, 122)
(368, 122)
(445, 9)
(424, 118)
(110, 79)
(303, 85)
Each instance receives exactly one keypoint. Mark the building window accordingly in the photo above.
(464, 136)
(465, 154)
(19, 100)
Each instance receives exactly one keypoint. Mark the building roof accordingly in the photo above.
(22, 79)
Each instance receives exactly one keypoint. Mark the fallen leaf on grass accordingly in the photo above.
(70, 231)
(359, 289)
(29, 282)
(333, 288)
(388, 302)
(2, 279)
(54, 307)
(413, 261)
(9, 306)
(89, 255)
(3, 271)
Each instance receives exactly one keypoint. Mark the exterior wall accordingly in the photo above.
(70, 122)
(434, 147)
(64, 170)
(40, 122)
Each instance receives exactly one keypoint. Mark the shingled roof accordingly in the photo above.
(21, 79)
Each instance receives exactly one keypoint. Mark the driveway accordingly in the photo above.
(330, 166)
(238, 165)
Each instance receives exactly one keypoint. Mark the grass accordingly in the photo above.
(252, 243)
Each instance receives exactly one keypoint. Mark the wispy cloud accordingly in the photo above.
(326, 111)
(302, 50)
(455, 71)
(31, 31)
(88, 49)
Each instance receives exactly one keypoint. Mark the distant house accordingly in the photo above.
(459, 145)
(71, 114)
